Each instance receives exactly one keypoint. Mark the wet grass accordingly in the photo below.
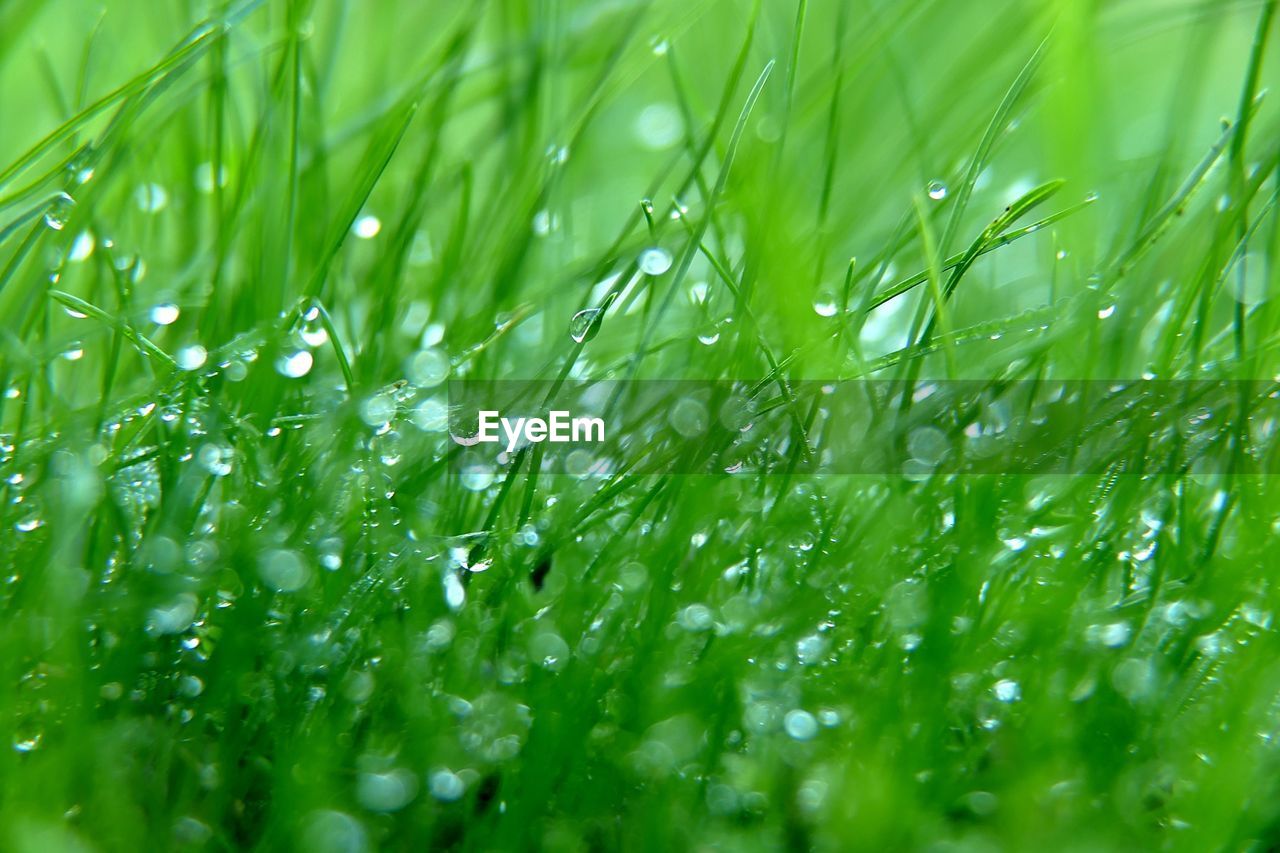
(249, 602)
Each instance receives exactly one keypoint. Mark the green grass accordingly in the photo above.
(248, 601)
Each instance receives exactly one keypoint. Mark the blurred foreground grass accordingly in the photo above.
(244, 604)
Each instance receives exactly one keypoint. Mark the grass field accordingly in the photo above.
(249, 600)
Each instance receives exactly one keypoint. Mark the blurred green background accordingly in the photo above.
(245, 602)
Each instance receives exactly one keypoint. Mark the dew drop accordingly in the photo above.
(800, 724)
(824, 304)
(82, 248)
(295, 365)
(151, 198)
(284, 570)
(59, 208)
(655, 261)
(446, 786)
(366, 227)
(164, 314)
(192, 357)
(937, 190)
(428, 367)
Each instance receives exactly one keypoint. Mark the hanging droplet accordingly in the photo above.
(825, 304)
(937, 190)
(655, 261)
(55, 215)
(585, 325)
(164, 314)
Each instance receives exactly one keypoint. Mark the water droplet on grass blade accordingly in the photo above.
(82, 248)
(216, 459)
(192, 357)
(366, 227)
(446, 786)
(655, 261)
(659, 126)
(427, 368)
(204, 177)
(151, 198)
(585, 325)
(937, 190)
(295, 365)
(284, 570)
(164, 314)
(55, 215)
(800, 725)
(29, 523)
(825, 304)
(1007, 690)
(313, 331)
(378, 410)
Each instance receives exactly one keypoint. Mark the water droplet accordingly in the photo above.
(1113, 635)
(455, 594)
(544, 222)
(1015, 543)
(709, 335)
(812, 649)
(386, 792)
(27, 743)
(1104, 313)
(29, 523)
(378, 410)
(59, 208)
(655, 261)
(1007, 690)
(75, 352)
(477, 478)
(1134, 679)
(174, 616)
(937, 190)
(696, 617)
(659, 126)
(428, 367)
(329, 831)
(446, 786)
(151, 198)
(688, 417)
(295, 365)
(82, 248)
(284, 570)
(204, 178)
(825, 304)
(366, 227)
(800, 724)
(192, 357)
(164, 314)
(216, 459)
(585, 325)
(660, 46)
